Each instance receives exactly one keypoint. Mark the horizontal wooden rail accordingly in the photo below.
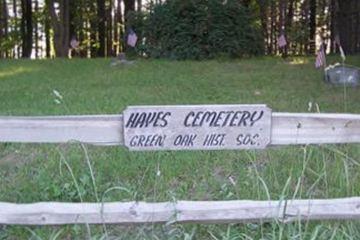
(53, 213)
(287, 128)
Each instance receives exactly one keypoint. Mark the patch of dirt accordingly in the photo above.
(11, 159)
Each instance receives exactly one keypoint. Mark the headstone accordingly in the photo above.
(121, 60)
(342, 75)
(197, 127)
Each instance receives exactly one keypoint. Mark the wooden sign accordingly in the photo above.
(196, 127)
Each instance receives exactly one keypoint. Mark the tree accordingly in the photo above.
(26, 28)
(282, 30)
(273, 35)
(347, 25)
(288, 22)
(139, 5)
(3, 28)
(60, 25)
(47, 24)
(15, 29)
(264, 24)
(129, 6)
(109, 37)
(101, 27)
(93, 29)
(312, 23)
(36, 28)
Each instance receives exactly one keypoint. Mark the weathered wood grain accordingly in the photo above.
(95, 129)
(314, 128)
(287, 128)
(53, 213)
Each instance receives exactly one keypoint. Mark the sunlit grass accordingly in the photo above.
(299, 61)
(12, 72)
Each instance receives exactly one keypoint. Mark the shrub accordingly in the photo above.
(197, 29)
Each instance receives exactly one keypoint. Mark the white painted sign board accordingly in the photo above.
(197, 127)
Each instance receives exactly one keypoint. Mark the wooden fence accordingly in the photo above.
(286, 128)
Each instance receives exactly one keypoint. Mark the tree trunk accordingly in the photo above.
(73, 11)
(333, 30)
(129, 6)
(305, 22)
(60, 24)
(357, 30)
(121, 28)
(101, 27)
(93, 30)
(263, 18)
(288, 23)
(273, 34)
(36, 30)
(47, 29)
(139, 5)
(109, 39)
(281, 27)
(312, 23)
(4, 18)
(16, 49)
(66, 26)
(26, 28)
(348, 25)
(116, 28)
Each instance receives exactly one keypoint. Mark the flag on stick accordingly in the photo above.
(342, 53)
(132, 38)
(320, 57)
(74, 43)
(336, 40)
(282, 41)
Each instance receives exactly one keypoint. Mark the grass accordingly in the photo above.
(47, 172)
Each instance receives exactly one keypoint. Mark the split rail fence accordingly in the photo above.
(286, 129)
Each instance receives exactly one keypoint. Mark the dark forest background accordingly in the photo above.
(176, 28)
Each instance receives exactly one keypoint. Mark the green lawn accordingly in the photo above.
(32, 172)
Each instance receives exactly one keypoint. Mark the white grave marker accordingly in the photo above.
(196, 127)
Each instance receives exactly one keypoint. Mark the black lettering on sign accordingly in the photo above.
(186, 121)
(207, 117)
(243, 120)
(147, 140)
(234, 119)
(196, 127)
(214, 139)
(132, 119)
(148, 119)
(227, 118)
(218, 119)
(247, 139)
(222, 118)
(186, 140)
(256, 116)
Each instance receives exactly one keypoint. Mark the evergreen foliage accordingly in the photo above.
(198, 29)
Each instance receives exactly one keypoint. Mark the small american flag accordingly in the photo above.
(320, 57)
(132, 38)
(282, 41)
(74, 43)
